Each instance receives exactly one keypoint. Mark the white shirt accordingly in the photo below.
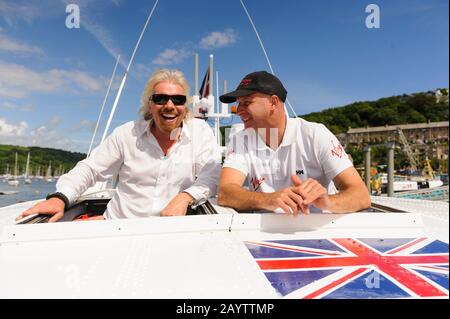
(147, 179)
(308, 150)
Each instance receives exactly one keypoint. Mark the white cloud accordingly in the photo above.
(142, 71)
(8, 105)
(17, 81)
(10, 45)
(27, 108)
(218, 39)
(54, 121)
(43, 136)
(81, 79)
(9, 130)
(15, 11)
(12, 106)
(104, 38)
(172, 56)
(83, 125)
(91, 24)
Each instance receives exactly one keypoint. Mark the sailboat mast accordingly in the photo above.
(49, 170)
(103, 105)
(27, 168)
(267, 56)
(15, 167)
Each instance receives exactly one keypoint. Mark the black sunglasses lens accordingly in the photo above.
(178, 99)
(162, 99)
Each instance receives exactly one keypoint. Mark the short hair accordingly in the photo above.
(163, 75)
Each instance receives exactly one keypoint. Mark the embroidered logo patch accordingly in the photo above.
(256, 182)
(337, 150)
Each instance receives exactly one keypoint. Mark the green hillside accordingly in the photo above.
(38, 157)
(401, 109)
(394, 110)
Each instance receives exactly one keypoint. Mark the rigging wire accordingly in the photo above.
(265, 53)
(126, 73)
(103, 105)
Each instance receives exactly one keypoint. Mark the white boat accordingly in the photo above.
(8, 192)
(13, 181)
(27, 179)
(48, 175)
(407, 183)
(400, 254)
(398, 249)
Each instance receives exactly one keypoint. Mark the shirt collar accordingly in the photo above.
(289, 137)
(290, 133)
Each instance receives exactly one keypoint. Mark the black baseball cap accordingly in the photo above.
(260, 81)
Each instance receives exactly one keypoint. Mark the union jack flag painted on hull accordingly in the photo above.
(355, 268)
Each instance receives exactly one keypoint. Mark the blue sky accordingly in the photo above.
(53, 79)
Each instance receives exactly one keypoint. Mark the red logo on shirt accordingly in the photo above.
(337, 150)
(256, 182)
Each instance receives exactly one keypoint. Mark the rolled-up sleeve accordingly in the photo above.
(331, 153)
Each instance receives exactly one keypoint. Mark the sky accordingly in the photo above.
(53, 79)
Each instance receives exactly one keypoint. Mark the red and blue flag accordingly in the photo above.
(355, 268)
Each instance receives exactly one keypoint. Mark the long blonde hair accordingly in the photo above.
(161, 75)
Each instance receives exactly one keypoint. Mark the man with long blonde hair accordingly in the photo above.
(164, 162)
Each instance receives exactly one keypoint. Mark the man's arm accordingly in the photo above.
(104, 160)
(232, 194)
(353, 194)
(178, 206)
(207, 164)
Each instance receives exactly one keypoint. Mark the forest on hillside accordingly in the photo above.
(39, 157)
(394, 110)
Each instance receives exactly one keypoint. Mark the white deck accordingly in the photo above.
(178, 257)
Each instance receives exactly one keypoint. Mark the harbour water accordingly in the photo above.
(36, 190)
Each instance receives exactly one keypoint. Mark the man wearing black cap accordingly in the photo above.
(290, 165)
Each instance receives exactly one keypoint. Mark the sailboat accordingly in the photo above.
(14, 181)
(396, 249)
(48, 174)
(27, 171)
(38, 175)
(7, 175)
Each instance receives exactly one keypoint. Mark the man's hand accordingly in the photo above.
(178, 205)
(312, 192)
(286, 199)
(53, 206)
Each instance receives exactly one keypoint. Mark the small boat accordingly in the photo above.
(13, 181)
(27, 179)
(48, 176)
(8, 192)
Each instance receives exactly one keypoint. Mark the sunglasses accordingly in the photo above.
(162, 99)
